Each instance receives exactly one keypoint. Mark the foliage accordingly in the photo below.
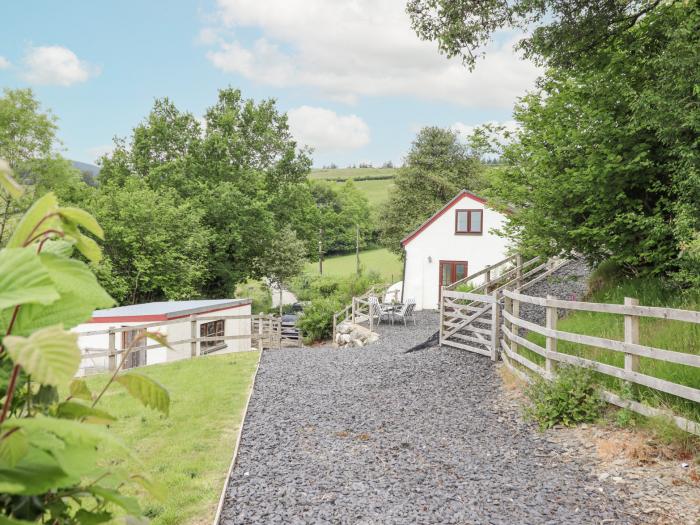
(437, 167)
(258, 292)
(327, 295)
(284, 259)
(49, 448)
(238, 180)
(607, 162)
(559, 31)
(155, 243)
(570, 398)
(27, 144)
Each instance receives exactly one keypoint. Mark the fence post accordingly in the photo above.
(371, 316)
(112, 350)
(551, 346)
(488, 278)
(518, 271)
(193, 336)
(631, 336)
(260, 331)
(353, 310)
(495, 325)
(508, 307)
(442, 312)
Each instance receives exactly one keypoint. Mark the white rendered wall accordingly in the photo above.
(174, 332)
(439, 242)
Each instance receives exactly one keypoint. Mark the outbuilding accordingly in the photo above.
(455, 242)
(175, 320)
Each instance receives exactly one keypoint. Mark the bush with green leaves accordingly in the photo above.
(569, 399)
(52, 434)
(316, 323)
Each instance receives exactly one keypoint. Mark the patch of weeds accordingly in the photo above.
(571, 398)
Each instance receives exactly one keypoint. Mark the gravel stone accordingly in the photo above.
(375, 435)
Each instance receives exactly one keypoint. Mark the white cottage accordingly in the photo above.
(453, 243)
(176, 319)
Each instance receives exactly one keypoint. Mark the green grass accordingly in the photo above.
(381, 260)
(352, 173)
(377, 191)
(659, 333)
(188, 452)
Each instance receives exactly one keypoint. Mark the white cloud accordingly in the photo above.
(326, 131)
(4, 63)
(359, 48)
(98, 152)
(56, 65)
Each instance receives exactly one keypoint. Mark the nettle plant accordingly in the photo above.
(51, 447)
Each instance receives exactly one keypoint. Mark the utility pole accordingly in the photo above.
(357, 248)
(320, 251)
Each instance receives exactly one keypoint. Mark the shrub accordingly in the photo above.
(258, 292)
(316, 323)
(571, 398)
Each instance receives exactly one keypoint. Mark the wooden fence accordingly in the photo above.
(359, 310)
(264, 331)
(512, 343)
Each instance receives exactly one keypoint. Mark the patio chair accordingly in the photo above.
(379, 311)
(406, 311)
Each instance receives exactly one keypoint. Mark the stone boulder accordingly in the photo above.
(350, 335)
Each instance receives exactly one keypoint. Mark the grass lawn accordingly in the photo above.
(377, 191)
(381, 260)
(659, 333)
(352, 173)
(189, 452)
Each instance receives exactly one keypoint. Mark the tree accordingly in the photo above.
(436, 168)
(283, 260)
(561, 32)
(156, 245)
(607, 161)
(27, 143)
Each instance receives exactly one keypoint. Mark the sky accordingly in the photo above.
(356, 82)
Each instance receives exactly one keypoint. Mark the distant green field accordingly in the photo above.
(376, 191)
(382, 261)
(352, 173)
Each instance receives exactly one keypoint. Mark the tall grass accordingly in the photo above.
(659, 333)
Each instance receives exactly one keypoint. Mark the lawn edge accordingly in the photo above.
(220, 506)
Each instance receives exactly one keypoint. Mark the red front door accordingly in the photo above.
(450, 272)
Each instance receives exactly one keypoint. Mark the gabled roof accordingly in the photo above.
(439, 213)
(164, 310)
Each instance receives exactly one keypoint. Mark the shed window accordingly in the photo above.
(469, 221)
(212, 329)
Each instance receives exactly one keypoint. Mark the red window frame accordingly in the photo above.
(469, 230)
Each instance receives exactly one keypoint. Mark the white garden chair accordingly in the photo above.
(406, 311)
(379, 311)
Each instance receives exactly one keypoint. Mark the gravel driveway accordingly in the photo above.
(374, 435)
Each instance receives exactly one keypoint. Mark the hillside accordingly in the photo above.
(374, 183)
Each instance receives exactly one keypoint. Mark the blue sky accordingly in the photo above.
(357, 83)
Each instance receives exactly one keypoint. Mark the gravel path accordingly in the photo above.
(374, 435)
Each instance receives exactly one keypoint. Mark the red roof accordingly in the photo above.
(440, 213)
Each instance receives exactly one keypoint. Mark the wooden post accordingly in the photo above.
(357, 248)
(508, 307)
(193, 336)
(371, 317)
(335, 325)
(112, 350)
(495, 325)
(513, 328)
(353, 310)
(551, 345)
(442, 313)
(518, 271)
(260, 331)
(488, 278)
(320, 251)
(631, 336)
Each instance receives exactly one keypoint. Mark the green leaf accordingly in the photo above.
(7, 182)
(78, 388)
(146, 390)
(84, 219)
(154, 488)
(4, 520)
(13, 447)
(128, 503)
(36, 473)
(44, 211)
(80, 296)
(89, 248)
(73, 410)
(85, 517)
(50, 355)
(58, 247)
(23, 279)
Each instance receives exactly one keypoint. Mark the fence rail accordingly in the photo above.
(511, 343)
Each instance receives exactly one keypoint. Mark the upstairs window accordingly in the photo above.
(469, 222)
